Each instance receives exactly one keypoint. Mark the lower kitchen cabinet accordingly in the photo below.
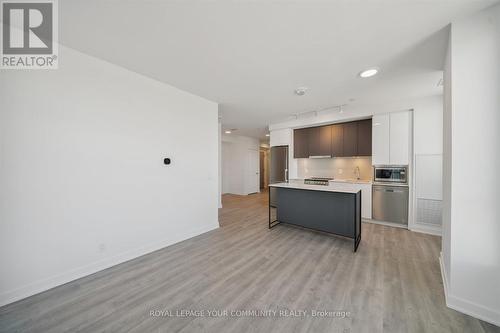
(366, 195)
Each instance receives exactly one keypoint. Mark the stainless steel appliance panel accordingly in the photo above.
(279, 170)
(390, 174)
(390, 203)
(279, 164)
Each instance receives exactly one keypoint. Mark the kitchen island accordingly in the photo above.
(317, 207)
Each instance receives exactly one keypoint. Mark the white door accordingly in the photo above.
(252, 174)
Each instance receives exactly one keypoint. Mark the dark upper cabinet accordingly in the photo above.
(337, 140)
(320, 141)
(365, 137)
(301, 143)
(350, 136)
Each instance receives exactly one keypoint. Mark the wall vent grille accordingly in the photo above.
(429, 211)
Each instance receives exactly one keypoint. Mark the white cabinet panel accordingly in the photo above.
(366, 201)
(282, 137)
(399, 138)
(391, 138)
(380, 139)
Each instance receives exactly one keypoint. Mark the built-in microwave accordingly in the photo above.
(390, 174)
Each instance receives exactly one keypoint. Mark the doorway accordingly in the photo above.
(264, 167)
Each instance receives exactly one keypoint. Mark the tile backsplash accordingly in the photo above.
(338, 167)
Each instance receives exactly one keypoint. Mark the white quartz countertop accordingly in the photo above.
(302, 186)
(351, 181)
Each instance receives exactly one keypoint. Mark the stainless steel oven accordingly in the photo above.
(390, 174)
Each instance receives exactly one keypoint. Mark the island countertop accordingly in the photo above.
(339, 181)
(326, 208)
(302, 186)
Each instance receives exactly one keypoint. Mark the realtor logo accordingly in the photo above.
(29, 32)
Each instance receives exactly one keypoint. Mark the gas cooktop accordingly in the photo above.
(318, 181)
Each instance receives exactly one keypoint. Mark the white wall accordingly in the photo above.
(427, 157)
(83, 185)
(219, 139)
(447, 172)
(351, 112)
(472, 129)
(428, 126)
(235, 164)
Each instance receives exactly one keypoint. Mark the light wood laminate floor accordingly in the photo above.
(392, 284)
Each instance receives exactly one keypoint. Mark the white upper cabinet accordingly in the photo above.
(380, 139)
(391, 139)
(400, 138)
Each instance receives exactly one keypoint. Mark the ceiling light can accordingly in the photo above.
(369, 72)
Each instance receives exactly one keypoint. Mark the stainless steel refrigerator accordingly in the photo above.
(279, 164)
(279, 169)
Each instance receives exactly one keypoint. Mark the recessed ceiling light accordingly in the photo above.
(301, 91)
(227, 132)
(268, 134)
(368, 72)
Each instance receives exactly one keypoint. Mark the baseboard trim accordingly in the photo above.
(443, 277)
(387, 224)
(415, 228)
(461, 305)
(75, 274)
(426, 229)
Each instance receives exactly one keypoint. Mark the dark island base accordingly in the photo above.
(336, 213)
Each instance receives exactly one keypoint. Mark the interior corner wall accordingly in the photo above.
(474, 213)
(447, 171)
(83, 184)
(219, 142)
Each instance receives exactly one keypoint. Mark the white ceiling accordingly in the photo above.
(250, 56)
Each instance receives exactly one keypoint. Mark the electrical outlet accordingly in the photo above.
(341, 171)
(102, 247)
